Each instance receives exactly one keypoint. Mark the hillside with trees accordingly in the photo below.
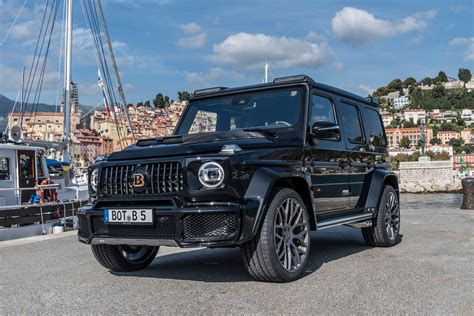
(437, 97)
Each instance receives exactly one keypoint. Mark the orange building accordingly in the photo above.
(395, 135)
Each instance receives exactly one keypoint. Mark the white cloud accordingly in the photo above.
(358, 27)
(190, 28)
(23, 30)
(339, 66)
(195, 41)
(197, 37)
(204, 79)
(366, 89)
(253, 50)
(464, 41)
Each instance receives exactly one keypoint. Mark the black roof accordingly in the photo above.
(215, 91)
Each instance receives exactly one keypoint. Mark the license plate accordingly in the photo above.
(128, 216)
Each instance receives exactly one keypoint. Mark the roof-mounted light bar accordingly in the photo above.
(209, 90)
(291, 79)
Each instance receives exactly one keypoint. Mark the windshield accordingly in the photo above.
(276, 108)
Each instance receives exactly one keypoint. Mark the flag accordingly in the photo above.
(101, 85)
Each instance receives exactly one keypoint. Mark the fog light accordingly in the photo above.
(211, 174)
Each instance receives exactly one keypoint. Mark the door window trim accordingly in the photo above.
(362, 127)
(333, 103)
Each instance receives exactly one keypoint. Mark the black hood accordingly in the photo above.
(202, 143)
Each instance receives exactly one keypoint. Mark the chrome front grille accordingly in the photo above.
(160, 178)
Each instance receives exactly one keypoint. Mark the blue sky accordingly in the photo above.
(172, 45)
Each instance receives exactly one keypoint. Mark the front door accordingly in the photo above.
(26, 173)
(328, 161)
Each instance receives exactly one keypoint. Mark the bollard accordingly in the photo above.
(468, 193)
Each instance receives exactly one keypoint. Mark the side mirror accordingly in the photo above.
(326, 130)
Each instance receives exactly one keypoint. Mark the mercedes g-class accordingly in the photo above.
(258, 167)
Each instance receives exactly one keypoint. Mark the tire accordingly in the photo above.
(280, 251)
(123, 258)
(386, 232)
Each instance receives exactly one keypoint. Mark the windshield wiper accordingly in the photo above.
(264, 131)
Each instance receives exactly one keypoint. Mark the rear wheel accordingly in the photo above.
(386, 232)
(280, 251)
(124, 258)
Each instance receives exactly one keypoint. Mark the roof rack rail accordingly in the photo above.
(294, 78)
(209, 90)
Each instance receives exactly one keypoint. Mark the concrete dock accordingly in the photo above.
(430, 271)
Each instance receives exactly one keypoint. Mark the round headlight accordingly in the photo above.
(94, 179)
(211, 174)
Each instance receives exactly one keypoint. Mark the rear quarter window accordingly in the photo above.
(373, 127)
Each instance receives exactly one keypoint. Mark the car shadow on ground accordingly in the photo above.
(225, 265)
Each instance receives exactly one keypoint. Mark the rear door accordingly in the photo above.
(329, 178)
(26, 173)
(356, 145)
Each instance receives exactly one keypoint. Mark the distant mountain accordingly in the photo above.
(6, 106)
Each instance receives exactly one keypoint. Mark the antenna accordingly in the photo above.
(265, 78)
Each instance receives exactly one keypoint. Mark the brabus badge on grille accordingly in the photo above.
(138, 180)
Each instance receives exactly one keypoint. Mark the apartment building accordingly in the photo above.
(445, 136)
(394, 136)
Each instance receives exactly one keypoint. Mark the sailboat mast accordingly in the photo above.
(67, 80)
(116, 72)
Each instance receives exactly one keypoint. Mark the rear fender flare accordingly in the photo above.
(379, 179)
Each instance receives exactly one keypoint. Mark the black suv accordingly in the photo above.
(257, 167)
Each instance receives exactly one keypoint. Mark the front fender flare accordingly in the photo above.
(262, 184)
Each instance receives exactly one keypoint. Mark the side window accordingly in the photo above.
(350, 120)
(373, 127)
(4, 168)
(204, 121)
(322, 110)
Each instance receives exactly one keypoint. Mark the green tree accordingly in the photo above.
(409, 124)
(427, 81)
(442, 77)
(184, 95)
(464, 75)
(435, 141)
(405, 142)
(410, 81)
(147, 103)
(395, 85)
(456, 142)
(140, 104)
(438, 91)
(160, 101)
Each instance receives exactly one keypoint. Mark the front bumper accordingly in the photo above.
(192, 225)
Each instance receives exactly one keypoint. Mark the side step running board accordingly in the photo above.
(344, 220)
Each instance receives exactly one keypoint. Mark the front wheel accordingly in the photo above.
(280, 251)
(123, 258)
(386, 232)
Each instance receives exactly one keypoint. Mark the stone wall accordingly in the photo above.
(428, 176)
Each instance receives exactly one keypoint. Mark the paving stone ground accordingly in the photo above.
(430, 271)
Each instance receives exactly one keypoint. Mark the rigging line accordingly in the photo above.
(30, 83)
(95, 32)
(63, 25)
(13, 24)
(101, 45)
(23, 107)
(45, 60)
(108, 78)
(13, 108)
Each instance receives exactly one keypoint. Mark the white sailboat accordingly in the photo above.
(32, 197)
